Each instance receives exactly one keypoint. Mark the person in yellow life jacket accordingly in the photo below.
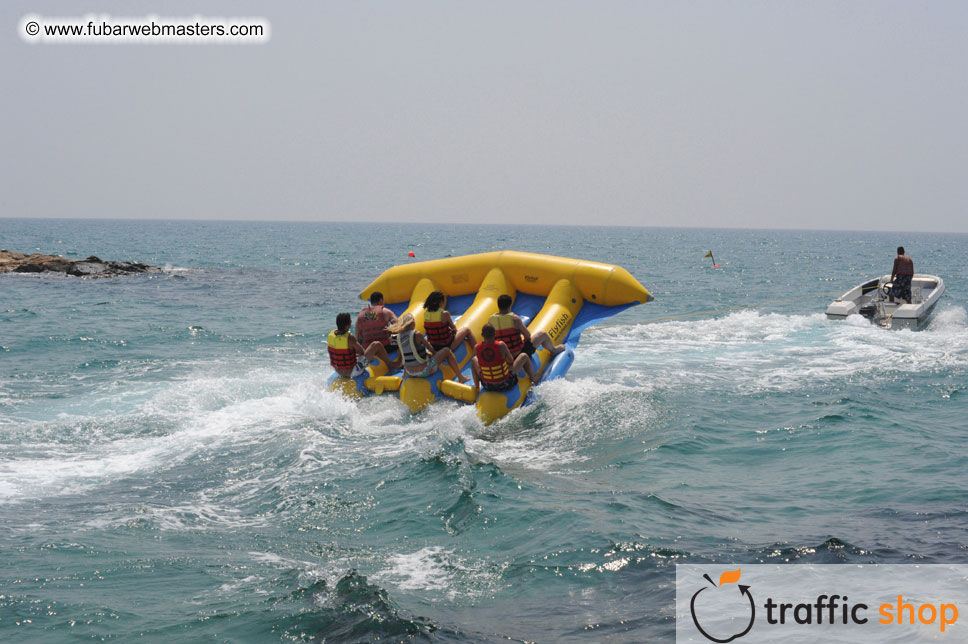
(511, 331)
(344, 349)
(493, 367)
(371, 326)
(901, 276)
(419, 358)
(439, 327)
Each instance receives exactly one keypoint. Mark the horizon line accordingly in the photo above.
(515, 225)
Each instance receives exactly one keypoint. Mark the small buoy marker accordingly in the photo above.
(710, 256)
(411, 254)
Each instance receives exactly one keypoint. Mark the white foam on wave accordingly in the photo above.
(439, 570)
(570, 425)
(329, 570)
(200, 413)
(201, 515)
(309, 573)
(249, 584)
(421, 570)
(178, 270)
(246, 403)
(753, 351)
(949, 319)
(224, 405)
(63, 472)
(433, 568)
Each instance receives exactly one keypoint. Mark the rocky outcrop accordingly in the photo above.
(11, 262)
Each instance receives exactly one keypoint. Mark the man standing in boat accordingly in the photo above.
(901, 276)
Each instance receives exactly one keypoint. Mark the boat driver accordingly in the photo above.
(901, 276)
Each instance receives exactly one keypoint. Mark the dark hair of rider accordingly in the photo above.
(375, 297)
(487, 332)
(504, 302)
(434, 301)
(343, 321)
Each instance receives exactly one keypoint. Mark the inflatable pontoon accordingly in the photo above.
(557, 295)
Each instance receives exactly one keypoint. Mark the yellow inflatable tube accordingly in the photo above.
(417, 393)
(555, 318)
(565, 284)
(529, 273)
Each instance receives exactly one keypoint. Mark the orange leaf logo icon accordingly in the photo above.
(729, 577)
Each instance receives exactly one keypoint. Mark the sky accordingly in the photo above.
(779, 114)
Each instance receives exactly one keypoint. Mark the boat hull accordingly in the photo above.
(871, 300)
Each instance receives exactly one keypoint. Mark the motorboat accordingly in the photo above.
(872, 300)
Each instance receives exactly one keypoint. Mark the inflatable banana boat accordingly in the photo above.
(557, 295)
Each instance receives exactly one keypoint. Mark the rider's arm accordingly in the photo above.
(506, 353)
(422, 339)
(355, 345)
(519, 325)
(449, 321)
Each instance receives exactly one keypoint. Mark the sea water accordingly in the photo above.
(173, 469)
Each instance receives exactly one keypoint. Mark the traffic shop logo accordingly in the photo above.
(709, 602)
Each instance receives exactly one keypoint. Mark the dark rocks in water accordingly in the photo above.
(90, 267)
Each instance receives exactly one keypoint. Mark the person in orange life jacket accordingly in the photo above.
(439, 327)
(511, 331)
(492, 365)
(344, 348)
(901, 276)
(419, 358)
(371, 325)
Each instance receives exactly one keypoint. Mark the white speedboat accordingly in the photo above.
(872, 300)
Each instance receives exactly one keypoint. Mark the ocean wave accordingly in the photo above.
(441, 571)
(753, 352)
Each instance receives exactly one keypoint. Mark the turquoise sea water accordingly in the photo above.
(171, 468)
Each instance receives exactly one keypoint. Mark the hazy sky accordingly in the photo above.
(806, 114)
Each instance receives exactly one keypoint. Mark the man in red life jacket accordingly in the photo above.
(511, 331)
(901, 276)
(371, 325)
(492, 365)
(343, 348)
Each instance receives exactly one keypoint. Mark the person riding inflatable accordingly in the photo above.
(493, 367)
(510, 330)
(439, 327)
(343, 349)
(419, 360)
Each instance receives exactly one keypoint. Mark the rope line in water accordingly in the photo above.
(731, 308)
